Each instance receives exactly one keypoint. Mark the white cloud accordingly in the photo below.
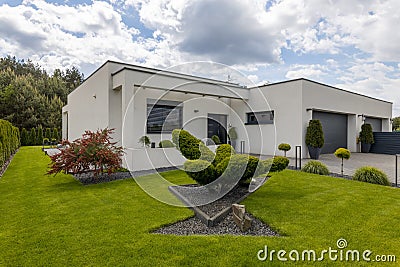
(56, 36)
(312, 71)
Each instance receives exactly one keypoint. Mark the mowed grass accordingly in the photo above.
(56, 221)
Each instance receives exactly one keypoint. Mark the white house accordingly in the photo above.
(139, 101)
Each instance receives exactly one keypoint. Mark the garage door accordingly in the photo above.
(375, 123)
(335, 130)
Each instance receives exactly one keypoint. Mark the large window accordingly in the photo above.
(262, 117)
(163, 116)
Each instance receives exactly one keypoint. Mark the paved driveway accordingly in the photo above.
(386, 163)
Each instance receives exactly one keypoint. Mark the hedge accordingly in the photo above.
(9, 141)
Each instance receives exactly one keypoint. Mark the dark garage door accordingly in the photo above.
(375, 123)
(335, 130)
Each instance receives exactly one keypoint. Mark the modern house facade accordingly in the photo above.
(139, 101)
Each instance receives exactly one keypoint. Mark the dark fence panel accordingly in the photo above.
(386, 143)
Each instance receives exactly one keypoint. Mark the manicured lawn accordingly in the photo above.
(46, 220)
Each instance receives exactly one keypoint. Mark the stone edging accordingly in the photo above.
(207, 220)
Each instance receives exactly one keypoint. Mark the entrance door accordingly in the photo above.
(216, 125)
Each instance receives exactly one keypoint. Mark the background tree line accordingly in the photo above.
(30, 97)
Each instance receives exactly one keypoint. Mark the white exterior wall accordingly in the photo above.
(138, 87)
(114, 106)
(285, 100)
(325, 98)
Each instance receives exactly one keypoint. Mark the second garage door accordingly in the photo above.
(335, 130)
(375, 123)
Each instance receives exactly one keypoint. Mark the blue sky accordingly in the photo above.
(346, 43)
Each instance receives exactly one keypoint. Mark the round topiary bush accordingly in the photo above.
(277, 164)
(342, 153)
(216, 139)
(203, 172)
(165, 144)
(239, 164)
(284, 147)
(371, 175)
(222, 152)
(317, 167)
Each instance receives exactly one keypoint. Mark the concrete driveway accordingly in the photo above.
(385, 163)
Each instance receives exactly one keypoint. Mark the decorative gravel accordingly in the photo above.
(88, 178)
(224, 202)
(193, 226)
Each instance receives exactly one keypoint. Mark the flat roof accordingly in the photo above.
(319, 83)
(128, 66)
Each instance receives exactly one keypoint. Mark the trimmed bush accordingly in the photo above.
(371, 175)
(206, 153)
(277, 163)
(232, 133)
(240, 164)
(284, 147)
(187, 144)
(366, 134)
(342, 153)
(317, 167)
(175, 137)
(216, 139)
(55, 135)
(9, 141)
(315, 134)
(47, 133)
(202, 171)
(39, 136)
(222, 152)
(32, 137)
(165, 144)
(24, 137)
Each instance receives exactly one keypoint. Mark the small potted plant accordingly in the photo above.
(284, 147)
(314, 138)
(366, 137)
(342, 153)
(232, 136)
(145, 141)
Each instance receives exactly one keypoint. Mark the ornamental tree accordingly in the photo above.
(93, 152)
(342, 153)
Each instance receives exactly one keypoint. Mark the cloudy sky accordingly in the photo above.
(352, 44)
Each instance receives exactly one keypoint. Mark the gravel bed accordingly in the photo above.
(88, 178)
(193, 226)
(224, 202)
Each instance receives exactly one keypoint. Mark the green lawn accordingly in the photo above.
(46, 220)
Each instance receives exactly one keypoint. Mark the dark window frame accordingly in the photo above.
(253, 118)
(164, 109)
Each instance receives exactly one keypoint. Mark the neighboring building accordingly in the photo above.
(136, 101)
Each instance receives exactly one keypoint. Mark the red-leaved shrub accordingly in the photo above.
(94, 152)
